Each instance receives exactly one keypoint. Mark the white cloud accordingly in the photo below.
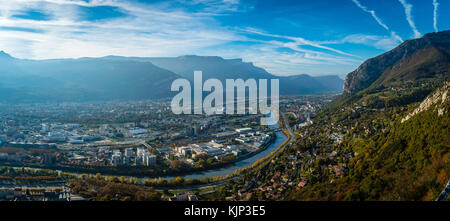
(147, 31)
(379, 42)
(216, 7)
(164, 30)
(298, 41)
(269, 54)
(408, 12)
(156, 30)
(372, 12)
(435, 15)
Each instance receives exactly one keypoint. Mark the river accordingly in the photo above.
(223, 171)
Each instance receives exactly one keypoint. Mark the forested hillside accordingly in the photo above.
(391, 160)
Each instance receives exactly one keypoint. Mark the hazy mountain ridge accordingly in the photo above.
(81, 80)
(220, 68)
(123, 78)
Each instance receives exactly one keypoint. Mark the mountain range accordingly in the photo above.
(220, 68)
(419, 59)
(131, 78)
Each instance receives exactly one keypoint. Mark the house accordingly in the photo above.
(301, 184)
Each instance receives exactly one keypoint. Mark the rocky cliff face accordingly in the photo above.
(415, 58)
(439, 97)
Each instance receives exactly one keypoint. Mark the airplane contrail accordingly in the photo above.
(435, 14)
(408, 9)
(372, 12)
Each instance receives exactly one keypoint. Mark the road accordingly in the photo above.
(146, 144)
(286, 124)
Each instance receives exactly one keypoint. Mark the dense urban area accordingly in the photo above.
(51, 148)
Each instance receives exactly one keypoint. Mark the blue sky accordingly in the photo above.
(285, 37)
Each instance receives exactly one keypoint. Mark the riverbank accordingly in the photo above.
(140, 172)
(209, 178)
